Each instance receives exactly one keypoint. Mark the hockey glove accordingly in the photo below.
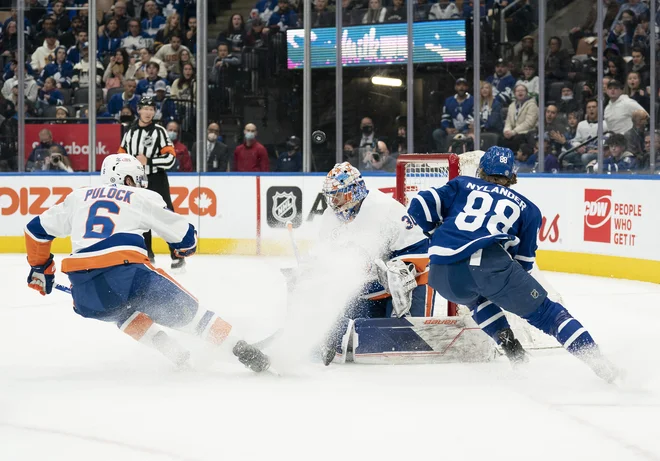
(42, 277)
(398, 278)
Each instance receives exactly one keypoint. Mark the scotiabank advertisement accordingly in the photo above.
(617, 217)
(74, 138)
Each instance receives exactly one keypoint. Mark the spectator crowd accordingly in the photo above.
(509, 114)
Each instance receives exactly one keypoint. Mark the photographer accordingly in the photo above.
(38, 160)
(378, 159)
(57, 161)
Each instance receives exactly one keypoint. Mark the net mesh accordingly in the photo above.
(434, 171)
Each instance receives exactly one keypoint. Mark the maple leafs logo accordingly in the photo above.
(203, 201)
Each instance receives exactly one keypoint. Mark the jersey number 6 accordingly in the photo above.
(472, 217)
(100, 227)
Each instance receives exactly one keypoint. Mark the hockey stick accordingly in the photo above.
(62, 288)
(289, 228)
(287, 273)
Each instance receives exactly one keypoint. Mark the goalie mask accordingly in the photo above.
(117, 167)
(344, 190)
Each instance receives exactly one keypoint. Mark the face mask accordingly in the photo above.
(348, 153)
(172, 135)
(566, 98)
(249, 135)
(212, 137)
(367, 129)
(126, 118)
(401, 139)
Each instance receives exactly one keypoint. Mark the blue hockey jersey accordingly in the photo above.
(457, 114)
(475, 214)
(502, 87)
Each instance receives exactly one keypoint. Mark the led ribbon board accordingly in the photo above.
(380, 44)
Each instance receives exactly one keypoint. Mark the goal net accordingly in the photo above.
(417, 172)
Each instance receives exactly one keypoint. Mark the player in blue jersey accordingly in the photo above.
(482, 247)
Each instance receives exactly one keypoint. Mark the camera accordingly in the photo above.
(376, 156)
(55, 158)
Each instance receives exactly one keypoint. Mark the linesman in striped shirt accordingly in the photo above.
(151, 145)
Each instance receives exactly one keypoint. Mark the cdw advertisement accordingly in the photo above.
(75, 139)
(618, 217)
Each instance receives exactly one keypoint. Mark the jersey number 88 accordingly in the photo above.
(478, 205)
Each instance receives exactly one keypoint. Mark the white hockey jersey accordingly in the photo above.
(383, 230)
(106, 224)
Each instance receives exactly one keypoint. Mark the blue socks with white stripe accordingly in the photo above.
(490, 319)
(553, 319)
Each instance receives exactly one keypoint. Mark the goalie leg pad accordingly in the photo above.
(338, 339)
(414, 339)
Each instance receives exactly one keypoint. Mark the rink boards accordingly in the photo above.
(599, 226)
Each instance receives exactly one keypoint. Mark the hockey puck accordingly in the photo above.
(318, 137)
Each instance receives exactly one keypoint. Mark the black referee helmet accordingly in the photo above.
(146, 101)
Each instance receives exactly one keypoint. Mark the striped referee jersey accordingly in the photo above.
(153, 142)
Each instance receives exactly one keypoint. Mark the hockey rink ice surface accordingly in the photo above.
(75, 389)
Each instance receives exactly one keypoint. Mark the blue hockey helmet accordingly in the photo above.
(497, 161)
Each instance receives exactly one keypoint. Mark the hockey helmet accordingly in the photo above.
(497, 161)
(146, 101)
(344, 190)
(117, 167)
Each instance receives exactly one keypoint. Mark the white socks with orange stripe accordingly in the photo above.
(211, 328)
(142, 328)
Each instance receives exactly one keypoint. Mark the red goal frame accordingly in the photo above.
(453, 167)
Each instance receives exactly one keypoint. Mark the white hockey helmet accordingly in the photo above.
(117, 167)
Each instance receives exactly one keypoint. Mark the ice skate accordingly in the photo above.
(512, 347)
(251, 357)
(178, 265)
(600, 365)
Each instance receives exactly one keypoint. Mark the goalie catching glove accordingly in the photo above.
(398, 278)
(42, 277)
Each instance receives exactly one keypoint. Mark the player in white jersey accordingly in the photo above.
(111, 277)
(392, 249)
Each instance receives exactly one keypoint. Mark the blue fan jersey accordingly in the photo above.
(475, 214)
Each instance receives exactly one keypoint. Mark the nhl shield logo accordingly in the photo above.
(284, 207)
(284, 204)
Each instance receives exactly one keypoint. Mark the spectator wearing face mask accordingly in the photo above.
(217, 153)
(251, 155)
(568, 103)
(400, 145)
(126, 116)
(183, 161)
(368, 136)
(291, 159)
(351, 152)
